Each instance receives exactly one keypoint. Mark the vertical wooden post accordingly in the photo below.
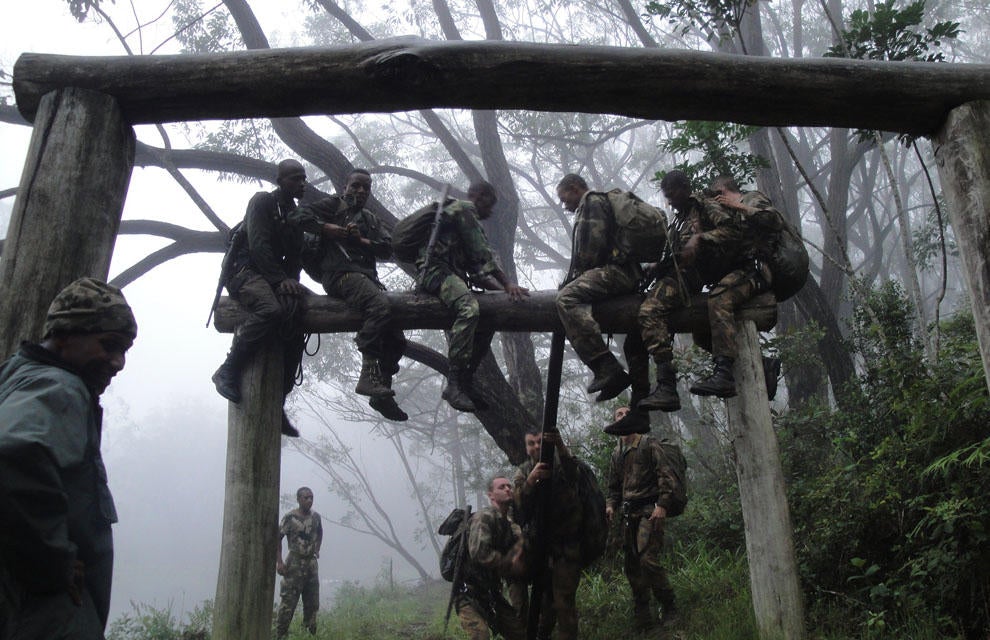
(773, 572)
(246, 580)
(68, 207)
(962, 152)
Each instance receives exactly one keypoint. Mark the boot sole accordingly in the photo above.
(389, 410)
(374, 391)
(466, 408)
(226, 394)
(613, 388)
(705, 392)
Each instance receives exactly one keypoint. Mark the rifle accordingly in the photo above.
(234, 237)
(545, 489)
(458, 570)
(433, 233)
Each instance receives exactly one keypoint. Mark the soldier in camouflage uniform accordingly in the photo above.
(495, 551)
(300, 571)
(461, 255)
(640, 485)
(707, 248)
(346, 240)
(564, 531)
(598, 272)
(265, 282)
(56, 511)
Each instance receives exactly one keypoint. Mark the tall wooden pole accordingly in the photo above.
(246, 580)
(773, 574)
(962, 151)
(68, 207)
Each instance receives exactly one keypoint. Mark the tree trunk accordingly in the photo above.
(773, 572)
(246, 580)
(401, 74)
(65, 219)
(963, 155)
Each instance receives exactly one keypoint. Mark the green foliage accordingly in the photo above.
(714, 18)
(718, 146)
(888, 33)
(80, 8)
(146, 622)
(204, 30)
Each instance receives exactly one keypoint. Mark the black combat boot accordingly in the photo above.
(287, 428)
(227, 379)
(636, 421)
(371, 382)
(386, 405)
(644, 617)
(610, 378)
(467, 386)
(720, 384)
(454, 393)
(664, 396)
(771, 372)
(671, 615)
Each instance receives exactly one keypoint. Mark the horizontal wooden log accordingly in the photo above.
(400, 74)
(499, 313)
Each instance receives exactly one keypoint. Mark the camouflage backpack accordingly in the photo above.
(454, 554)
(640, 228)
(788, 262)
(673, 461)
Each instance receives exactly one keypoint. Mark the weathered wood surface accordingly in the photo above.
(68, 207)
(249, 543)
(536, 313)
(776, 590)
(400, 74)
(962, 152)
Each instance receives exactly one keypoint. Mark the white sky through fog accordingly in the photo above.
(165, 431)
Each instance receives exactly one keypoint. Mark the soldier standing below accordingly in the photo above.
(461, 255)
(300, 572)
(56, 543)
(266, 283)
(597, 272)
(495, 551)
(350, 239)
(706, 247)
(640, 484)
(564, 531)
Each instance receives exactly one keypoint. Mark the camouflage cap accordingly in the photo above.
(89, 305)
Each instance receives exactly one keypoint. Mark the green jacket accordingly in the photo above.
(592, 243)
(461, 248)
(722, 242)
(325, 258)
(638, 474)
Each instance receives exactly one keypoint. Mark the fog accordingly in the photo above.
(165, 427)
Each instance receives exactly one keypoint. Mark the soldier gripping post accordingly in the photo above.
(56, 543)
(265, 281)
(347, 241)
(300, 571)
(461, 255)
(642, 488)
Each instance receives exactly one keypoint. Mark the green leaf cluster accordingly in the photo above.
(713, 149)
(888, 33)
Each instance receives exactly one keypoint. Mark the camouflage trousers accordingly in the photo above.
(671, 293)
(302, 577)
(504, 619)
(574, 303)
(642, 549)
(376, 338)
(269, 316)
(564, 574)
(467, 345)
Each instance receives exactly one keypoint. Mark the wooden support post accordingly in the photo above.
(68, 207)
(246, 580)
(962, 151)
(773, 574)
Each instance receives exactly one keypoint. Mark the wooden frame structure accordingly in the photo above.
(71, 195)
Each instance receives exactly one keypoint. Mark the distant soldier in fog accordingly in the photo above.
(300, 571)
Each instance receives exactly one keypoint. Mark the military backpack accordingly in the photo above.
(594, 525)
(640, 231)
(412, 233)
(788, 262)
(673, 460)
(454, 554)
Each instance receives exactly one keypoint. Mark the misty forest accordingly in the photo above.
(882, 409)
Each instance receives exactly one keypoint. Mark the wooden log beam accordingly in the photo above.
(962, 153)
(773, 574)
(400, 74)
(537, 313)
(68, 207)
(246, 577)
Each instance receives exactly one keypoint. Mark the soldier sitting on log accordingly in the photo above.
(597, 273)
(459, 255)
(707, 246)
(342, 257)
(264, 280)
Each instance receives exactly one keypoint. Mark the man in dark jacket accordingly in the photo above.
(56, 544)
(265, 282)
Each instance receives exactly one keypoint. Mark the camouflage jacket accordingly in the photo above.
(721, 240)
(274, 248)
(591, 236)
(303, 532)
(461, 247)
(761, 227)
(565, 509)
(492, 540)
(638, 474)
(324, 257)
